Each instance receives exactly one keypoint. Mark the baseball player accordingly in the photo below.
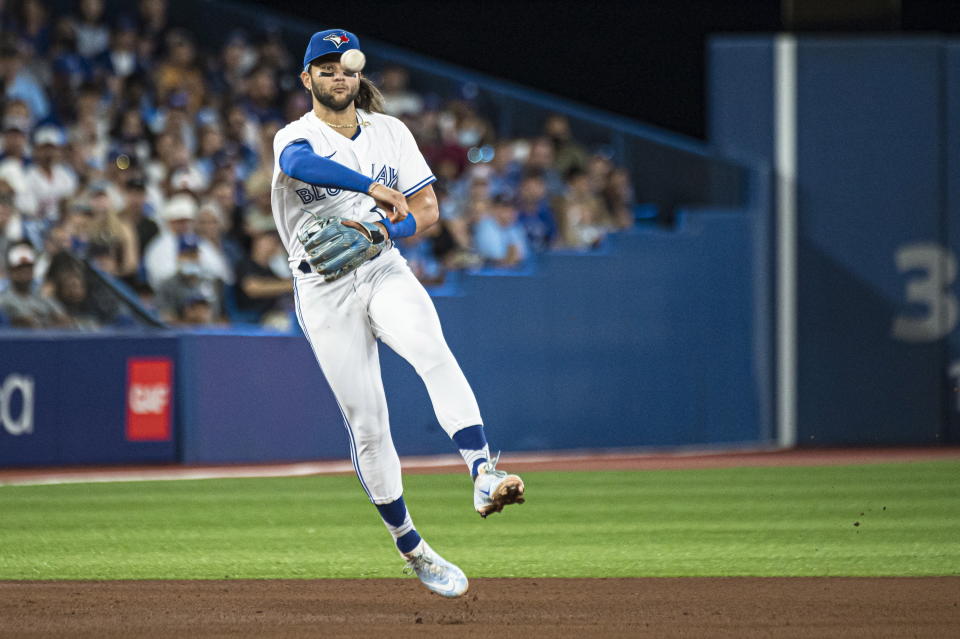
(348, 181)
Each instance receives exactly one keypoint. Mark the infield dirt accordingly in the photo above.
(529, 608)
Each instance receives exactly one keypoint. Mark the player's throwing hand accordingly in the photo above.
(391, 201)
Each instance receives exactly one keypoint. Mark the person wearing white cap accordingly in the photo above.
(50, 179)
(160, 258)
(22, 303)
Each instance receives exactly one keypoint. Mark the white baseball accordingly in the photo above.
(353, 61)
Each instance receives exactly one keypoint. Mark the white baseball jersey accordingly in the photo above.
(384, 150)
(51, 189)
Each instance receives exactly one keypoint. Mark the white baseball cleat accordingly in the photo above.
(493, 489)
(436, 573)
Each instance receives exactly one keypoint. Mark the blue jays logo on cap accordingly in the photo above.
(329, 41)
(337, 39)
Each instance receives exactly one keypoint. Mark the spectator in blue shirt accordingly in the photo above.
(505, 171)
(19, 83)
(535, 214)
(498, 237)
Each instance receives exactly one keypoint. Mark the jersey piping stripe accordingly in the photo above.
(421, 184)
(353, 453)
(346, 424)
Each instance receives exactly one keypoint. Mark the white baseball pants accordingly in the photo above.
(342, 321)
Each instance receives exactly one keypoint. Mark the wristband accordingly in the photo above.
(404, 228)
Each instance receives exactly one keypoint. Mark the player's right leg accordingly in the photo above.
(335, 323)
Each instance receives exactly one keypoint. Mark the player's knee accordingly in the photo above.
(364, 413)
(432, 355)
(371, 442)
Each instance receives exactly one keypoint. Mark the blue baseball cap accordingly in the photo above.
(329, 41)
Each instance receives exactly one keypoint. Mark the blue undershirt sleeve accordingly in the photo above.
(300, 162)
(404, 228)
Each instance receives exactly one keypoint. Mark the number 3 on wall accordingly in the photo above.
(931, 270)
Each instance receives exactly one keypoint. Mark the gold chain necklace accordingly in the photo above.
(346, 126)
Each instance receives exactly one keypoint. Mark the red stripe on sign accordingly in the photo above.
(149, 397)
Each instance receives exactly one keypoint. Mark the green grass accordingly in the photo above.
(747, 521)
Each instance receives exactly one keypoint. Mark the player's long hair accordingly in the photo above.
(369, 97)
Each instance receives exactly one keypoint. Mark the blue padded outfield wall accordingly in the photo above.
(254, 398)
(656, 341)
(878, 182)
(76, 399)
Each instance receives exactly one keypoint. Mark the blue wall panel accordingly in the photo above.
(41, 445)
(878, 176)
(256, 398)
(868, 121)
(79, 399)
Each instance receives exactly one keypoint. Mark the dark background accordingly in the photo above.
(644, 59)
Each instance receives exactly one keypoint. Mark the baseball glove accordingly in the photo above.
(336, 246)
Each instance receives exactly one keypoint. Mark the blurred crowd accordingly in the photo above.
(132, 152)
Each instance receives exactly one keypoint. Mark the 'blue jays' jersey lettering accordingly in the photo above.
(385, 175)
(314, 193)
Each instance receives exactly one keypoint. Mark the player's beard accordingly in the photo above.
(331, 101)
